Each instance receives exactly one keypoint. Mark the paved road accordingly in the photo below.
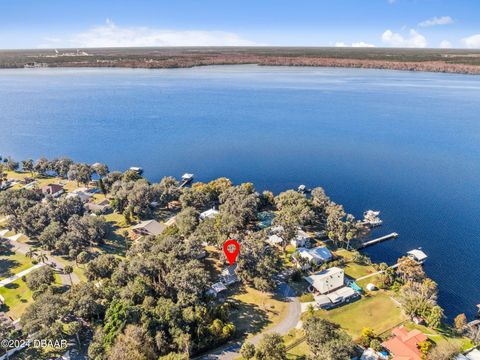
(19, 275)
(23, 248)
(232, 349)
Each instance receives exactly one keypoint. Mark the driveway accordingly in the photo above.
(232, 349)
(19, 275)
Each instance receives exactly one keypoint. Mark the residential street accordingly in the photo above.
(231, 350)
(24, 248)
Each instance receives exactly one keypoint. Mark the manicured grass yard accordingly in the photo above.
(378, 312)
(17, 297)
(13, 264)
(256, 311)
(355, 270)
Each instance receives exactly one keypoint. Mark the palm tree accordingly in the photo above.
(68, 269)
(30, 253)
(42, 257)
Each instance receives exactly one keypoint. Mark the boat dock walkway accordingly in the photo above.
(378, 240)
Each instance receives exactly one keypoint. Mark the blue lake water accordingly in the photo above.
(407, 144)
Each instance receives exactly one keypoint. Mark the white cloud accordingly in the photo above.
(472, 42)
(445, 44)
(415, 39)
(443, 20)
(362, 44)
(112, 35)
(355, 44)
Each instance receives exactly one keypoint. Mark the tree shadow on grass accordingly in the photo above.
(248, 318)
(12, 286)
(6, 267)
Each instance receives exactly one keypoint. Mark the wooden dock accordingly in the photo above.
(378, 240)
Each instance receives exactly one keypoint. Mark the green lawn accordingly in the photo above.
(378, 312)
(13, 263)
(256, 311)
(355, 270)
(17, 297)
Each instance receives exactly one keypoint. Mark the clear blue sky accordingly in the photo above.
(398, 23)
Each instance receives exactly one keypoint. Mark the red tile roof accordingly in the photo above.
(403, 345)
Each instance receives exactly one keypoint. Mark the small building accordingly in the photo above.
(301, 239)
(327, 280)
(216, 289)
(54, 190)
(417, 255)
(148, 228)
(371, 287)
(210, 213)
(316, 255)
(404, 344)
(371, 218)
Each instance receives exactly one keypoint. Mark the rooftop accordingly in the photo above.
(403, 344)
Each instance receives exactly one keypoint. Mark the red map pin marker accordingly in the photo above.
(231, 255)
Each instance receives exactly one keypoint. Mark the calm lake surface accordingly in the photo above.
(407, 144)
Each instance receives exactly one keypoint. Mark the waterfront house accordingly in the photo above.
(148, 228)
(404, 344)
(314, 256)
(327, 280)
(210, 213)
(54, 190)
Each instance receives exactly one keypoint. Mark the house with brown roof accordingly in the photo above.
(404, 344)
(54, 190)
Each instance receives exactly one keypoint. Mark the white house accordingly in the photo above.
(210, 213)
(301, 239)
(83, 193)
(316, 255)
(327, 280)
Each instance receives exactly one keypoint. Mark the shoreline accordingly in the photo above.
(421, 60)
